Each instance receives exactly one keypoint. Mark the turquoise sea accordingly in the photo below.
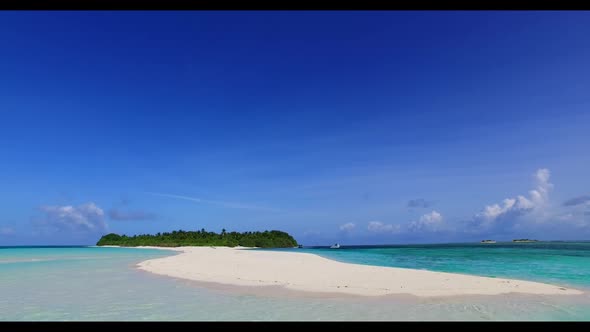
(91, 283)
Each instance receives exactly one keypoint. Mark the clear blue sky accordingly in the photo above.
(350, 127)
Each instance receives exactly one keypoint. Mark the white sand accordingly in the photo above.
(312, 273)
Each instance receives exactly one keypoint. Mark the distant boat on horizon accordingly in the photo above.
(335, 246)
(488, 241)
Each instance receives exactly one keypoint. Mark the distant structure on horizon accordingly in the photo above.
(488, 241)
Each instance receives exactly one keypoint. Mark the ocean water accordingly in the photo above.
(562, 263)
(102, 284)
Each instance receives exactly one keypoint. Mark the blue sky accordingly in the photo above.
(351, 127)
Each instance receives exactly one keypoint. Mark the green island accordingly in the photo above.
(524, 240)
(266, 239)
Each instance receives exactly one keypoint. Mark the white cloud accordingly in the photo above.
(432, 221)
(85, 217)
(520, 203)
(540, 195)
(348, 227)
(431, 218)
(6, 231)
(379, 227)
(514, 207)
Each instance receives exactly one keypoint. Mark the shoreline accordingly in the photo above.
(310, 273)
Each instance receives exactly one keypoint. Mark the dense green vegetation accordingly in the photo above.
(266, 239)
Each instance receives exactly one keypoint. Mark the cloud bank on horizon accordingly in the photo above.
(520, 213)
(514, 208)
(514, 214)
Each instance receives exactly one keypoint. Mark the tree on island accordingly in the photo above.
(266, 239)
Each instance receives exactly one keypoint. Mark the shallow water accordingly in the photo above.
(89, 283)
(561, 263)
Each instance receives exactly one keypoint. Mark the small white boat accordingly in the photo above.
(335, 246)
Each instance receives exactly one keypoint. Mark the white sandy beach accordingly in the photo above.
(312, 273)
